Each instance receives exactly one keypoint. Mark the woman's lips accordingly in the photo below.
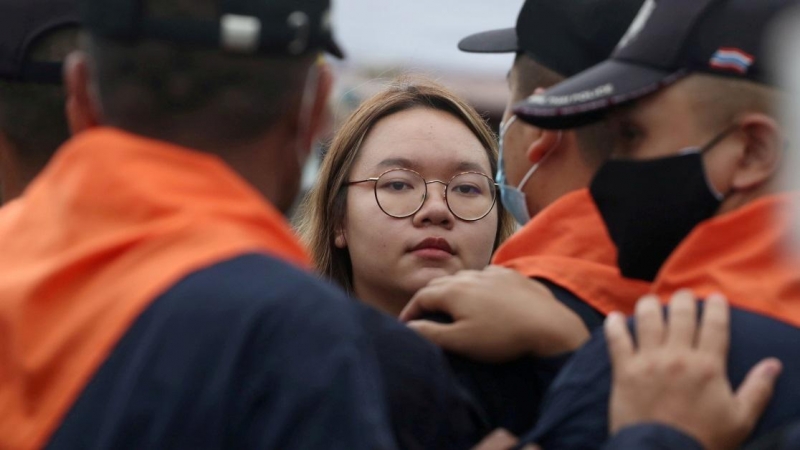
(433, 248)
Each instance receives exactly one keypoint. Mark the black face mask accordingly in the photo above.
(650, 206)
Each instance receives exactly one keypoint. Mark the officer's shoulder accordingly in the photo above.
(255, 284)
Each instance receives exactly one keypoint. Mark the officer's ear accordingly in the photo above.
(82, 107)
(762, 153)
(547, 142)
(320, 118)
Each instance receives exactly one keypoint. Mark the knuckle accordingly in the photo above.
(676, 365)
(742, 426)
(708, 370)
(635, 371)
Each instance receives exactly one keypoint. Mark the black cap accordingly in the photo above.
(668, 40)
(22, 23)
(273, 27)
(566, 36)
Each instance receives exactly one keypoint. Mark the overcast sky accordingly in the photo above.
(421, 34)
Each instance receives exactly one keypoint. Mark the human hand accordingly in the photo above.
(498, 315)
(501, 440)
(676, 375)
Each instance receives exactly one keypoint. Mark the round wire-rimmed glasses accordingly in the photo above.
(401, 193)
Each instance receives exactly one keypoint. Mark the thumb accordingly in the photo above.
(500, 439)
(755, 391)
(444, 335)
(427, 299)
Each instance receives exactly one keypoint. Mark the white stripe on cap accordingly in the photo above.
(240, 34)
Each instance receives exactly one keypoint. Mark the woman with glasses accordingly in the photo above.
(405, 194)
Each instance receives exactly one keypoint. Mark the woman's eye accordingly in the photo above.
(397, 186)
(467, 189)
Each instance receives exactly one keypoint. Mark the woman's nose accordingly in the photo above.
(434, 210)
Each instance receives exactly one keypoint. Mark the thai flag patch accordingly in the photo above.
(732, 59)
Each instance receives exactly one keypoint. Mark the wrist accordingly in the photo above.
(564, 337)
(654, 435)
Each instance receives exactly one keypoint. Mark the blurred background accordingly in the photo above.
(385, 39)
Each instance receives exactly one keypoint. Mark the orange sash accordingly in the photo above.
(567, 244)
(111, 224)
(745, 255)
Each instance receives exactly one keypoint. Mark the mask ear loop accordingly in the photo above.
(500, 177)
(711, 144)
(504, 127)
(718, 138)
(535, 167)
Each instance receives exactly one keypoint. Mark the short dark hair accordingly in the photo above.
(32, 115)
(192, 96)
(531, 75)
(718, 101)
(594, 141)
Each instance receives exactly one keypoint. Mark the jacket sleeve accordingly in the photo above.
(651, 436)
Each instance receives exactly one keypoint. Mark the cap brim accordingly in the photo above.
(333, 48)
(586, 97)
(495, 41)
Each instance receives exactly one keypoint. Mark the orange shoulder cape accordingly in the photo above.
(567, 244)
(111, 224)
(746, 255)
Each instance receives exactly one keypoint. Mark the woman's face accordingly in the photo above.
(393, 258)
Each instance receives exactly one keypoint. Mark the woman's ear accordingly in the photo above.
(764, 148)
(340, 241)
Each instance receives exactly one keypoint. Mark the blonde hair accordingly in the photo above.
(323, 211)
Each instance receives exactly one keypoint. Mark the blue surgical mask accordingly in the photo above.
(513, 199)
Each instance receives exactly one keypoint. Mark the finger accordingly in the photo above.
(428, 299)
(499, 440)
(443, 280)
(756, 390)
(455, 279)
(649, 323)
(715, 330)
(620, 343)
(468, 275)
(446, 335)
(493, 273)
(495, 270)
(682, 323)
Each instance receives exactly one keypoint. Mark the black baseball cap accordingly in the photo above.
(273, 27)
(668, 40)
(566, 36)
(22, 23)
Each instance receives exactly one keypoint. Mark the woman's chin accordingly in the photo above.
(425, 275)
